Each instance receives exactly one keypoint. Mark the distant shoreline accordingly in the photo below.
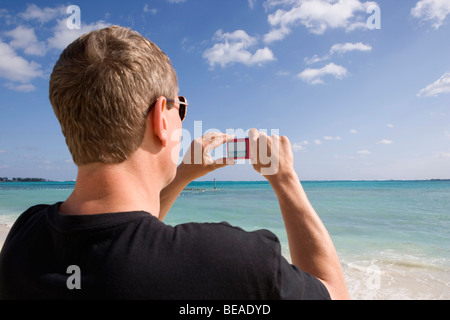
(5, 179)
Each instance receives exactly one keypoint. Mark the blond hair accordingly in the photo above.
(101, 87)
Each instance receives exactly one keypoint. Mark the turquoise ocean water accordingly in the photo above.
(392, 237)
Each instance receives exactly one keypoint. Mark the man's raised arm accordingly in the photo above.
(310, 245)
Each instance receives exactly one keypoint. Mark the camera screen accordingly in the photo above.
(238, 149)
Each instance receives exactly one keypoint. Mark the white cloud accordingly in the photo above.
(353, 131)
(15, 68)
(363, 152)
(283, 73)
(25, 38)
(432, 10)
(317, 142)
(315, 59)
(63, 36)
(346, 47)
(390, 125)
(340, 48)
(269, 4)
(237, 36)
(337, 138)
(442, 85)
(385, 142)
(276, 34)
(25, 87)
(4, 13)
(443, 155)
(33, 12)
(314, 76)
(152, 11)
(176, 1)
(357, 25)
(316, 15)
(233, 48)
(299, 146)
(447, 134)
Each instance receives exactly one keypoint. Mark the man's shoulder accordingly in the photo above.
(26, 220)
(32, 213)
(34, 209)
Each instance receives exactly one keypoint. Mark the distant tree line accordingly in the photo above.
(5, 179)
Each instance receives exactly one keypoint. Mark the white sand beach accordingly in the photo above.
(3, 233)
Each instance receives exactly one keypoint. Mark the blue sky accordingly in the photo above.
(355, 102)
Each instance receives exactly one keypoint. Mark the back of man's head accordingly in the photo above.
(100, 88)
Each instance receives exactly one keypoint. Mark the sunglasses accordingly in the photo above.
(182, 102)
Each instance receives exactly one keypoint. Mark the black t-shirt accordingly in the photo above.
(132, 255)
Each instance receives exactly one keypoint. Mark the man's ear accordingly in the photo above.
(160, 122)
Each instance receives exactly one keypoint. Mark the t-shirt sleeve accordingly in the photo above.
(291, 283)
(295, 284)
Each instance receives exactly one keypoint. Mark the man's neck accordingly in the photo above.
(122, 187)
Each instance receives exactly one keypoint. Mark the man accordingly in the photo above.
(115, 95)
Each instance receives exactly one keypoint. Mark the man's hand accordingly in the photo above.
(196, 163)
(271, 155)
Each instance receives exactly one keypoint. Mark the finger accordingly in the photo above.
(212, 140)
(207, 160)
(264, 147)
(211, 136)
(229, 137)
(253, 136)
